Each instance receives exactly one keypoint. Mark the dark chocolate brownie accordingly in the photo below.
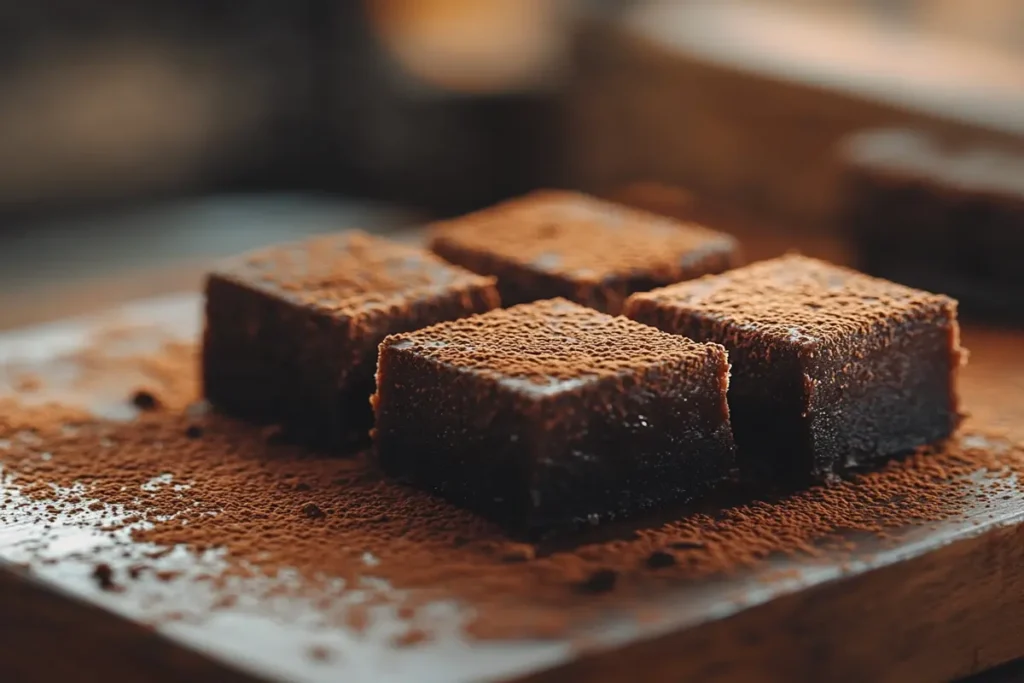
(929, 213)
(563, 244)
(292, 331)
(549, 414)
(831, 369)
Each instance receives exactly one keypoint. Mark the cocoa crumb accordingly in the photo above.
(103, 574)
(194, 431)
(313, 511)
(143, 399)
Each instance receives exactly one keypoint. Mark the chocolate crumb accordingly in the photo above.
(601, 581)
(660, 559)
(145, 400)
(194, 431)
(313, 511)
(104, 577)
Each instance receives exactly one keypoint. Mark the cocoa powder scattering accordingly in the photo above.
(244, 496)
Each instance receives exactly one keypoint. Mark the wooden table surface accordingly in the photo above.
(940, 601)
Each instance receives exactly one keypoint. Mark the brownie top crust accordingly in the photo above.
(344, 274)
(583, 238)
(799, 301)
(552, 345)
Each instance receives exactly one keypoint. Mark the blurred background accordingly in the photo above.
(139, 140)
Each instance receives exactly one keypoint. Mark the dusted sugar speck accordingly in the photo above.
(292, 331)
(596, 253)
(550, 414)
(832, 369)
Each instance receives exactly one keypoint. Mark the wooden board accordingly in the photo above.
(931, 603)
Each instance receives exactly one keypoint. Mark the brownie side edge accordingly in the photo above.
(452, 434)
(268, 360)
(633, 443)
(767, 398)
(896, 392)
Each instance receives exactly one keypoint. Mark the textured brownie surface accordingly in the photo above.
(292, 331)
(949, 217)
(831, 368)
(549, 414)
(554, 243)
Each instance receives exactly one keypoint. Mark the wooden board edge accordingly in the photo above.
(919, 620)
(88, 643)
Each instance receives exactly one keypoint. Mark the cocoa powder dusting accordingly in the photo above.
(273, 508)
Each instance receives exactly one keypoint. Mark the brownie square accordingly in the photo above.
(292, 331)
(562, 244)
(831, 369)
(948, 217)
(549, 414)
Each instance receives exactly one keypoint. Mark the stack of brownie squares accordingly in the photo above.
(636, 363)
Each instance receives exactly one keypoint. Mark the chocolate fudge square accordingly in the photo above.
(563, 244)
(548, 414)
(831, 369)
(929, 213)
(292, 331)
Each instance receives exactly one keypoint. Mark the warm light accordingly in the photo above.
(472, 45)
